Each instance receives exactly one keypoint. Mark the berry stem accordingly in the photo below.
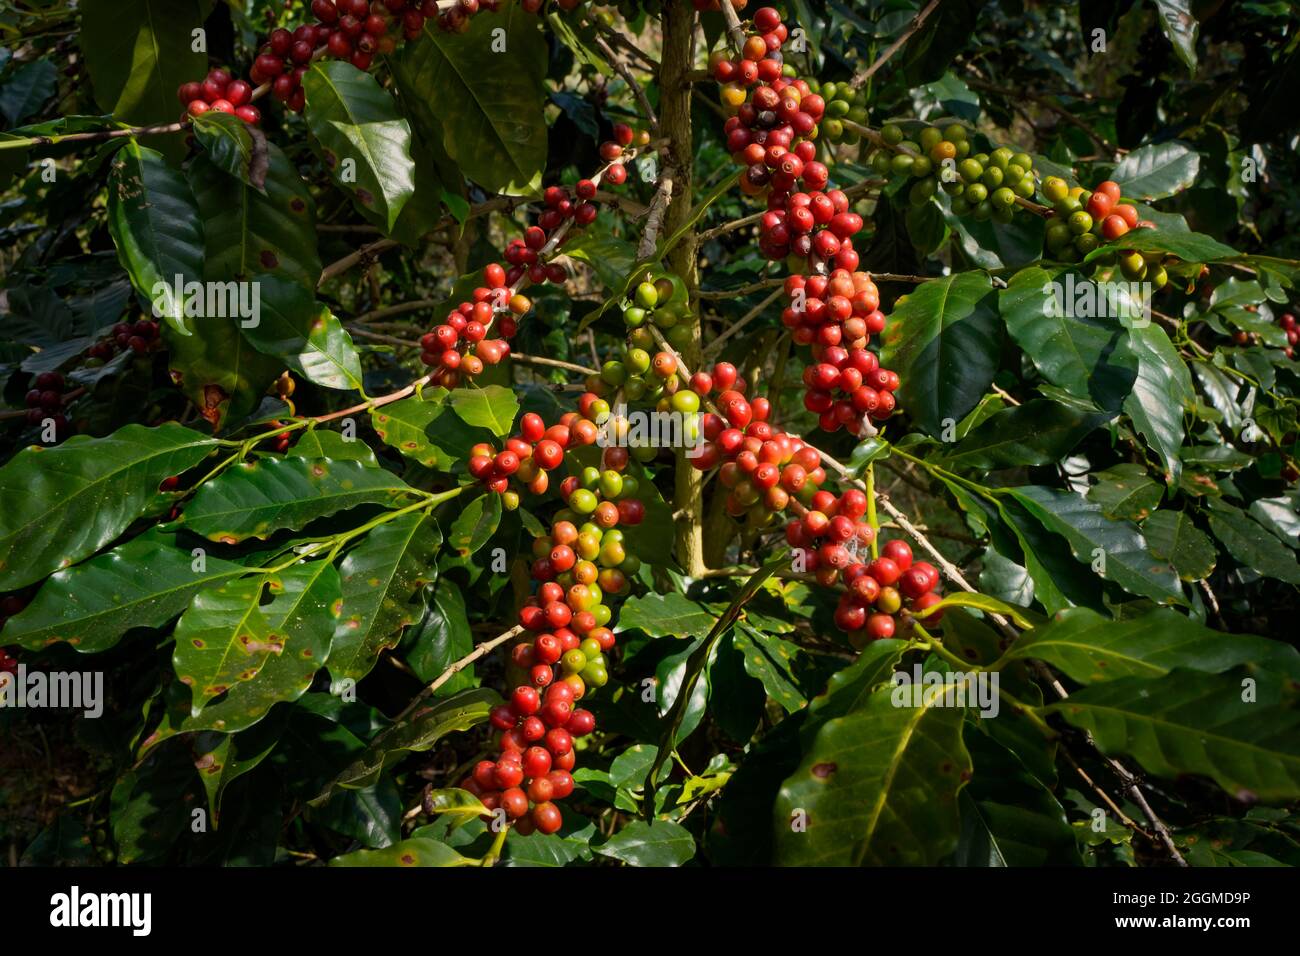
(735, 32)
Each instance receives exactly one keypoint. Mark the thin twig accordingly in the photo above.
(617, 62)
(1013, 95)
(894, 47)
(716, 345)
(459, 666)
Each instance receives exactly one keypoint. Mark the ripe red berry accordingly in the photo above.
(507, 774)
(547, 817)
(559, 741)
(537, 761)
(898, 552)
(525, 700)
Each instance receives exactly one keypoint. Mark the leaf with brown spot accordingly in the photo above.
(889, 799)
(418, 851)
(223, 636)
(305, 613)
(380, 578)
(256, 499)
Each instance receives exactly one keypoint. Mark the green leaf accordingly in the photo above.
(1093, 537)
(1172, 536)
(493, 407)
(1004, 579)
(426, 430)
(1126, 491)
(219, 370)
(572, 843)
(303, 613)
(224, 638)
(27, 89)
(238, 148)
(139, 52)
(995, 245)
(1221, 391)
(1180, 26)
(1088, 357)
(611, 258)
(475, 524)
(420, 851)
(150, 806)
(1008, 817)
(1059, 580)
(61, 504)
(666, 615)
(302, 332)
(659, 843)
(323, 443)
(459, 805)
(1038, 432)
(768, 660)
(1188, 246)
(1158, 170)
(849, 688)
(91, 605)
(380, 577)
(1249, 543)
(1090, 647)
(878, 786)
(364, 141)
(155, 224)
(250, 232)
(982, 602)
(256, 499)
(487, 93)
(1162, 390)
(1189, 722)
(443, 638)
(1280, 516)
(425, 728)
(944, 342)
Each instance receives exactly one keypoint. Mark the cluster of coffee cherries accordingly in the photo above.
(660, 299)
(983, 186)
(139, 337)
(352, 30)
(843, 103)
(762, 466)
(837, 315)
(8, 664)
(45, 401)
(459, 346)
(832, 541)
(530, 456)
(809, 229)
(221, 93)
(562, 204)
(645, 378)
(1083, 220)
(1288, 323)
(583, 560)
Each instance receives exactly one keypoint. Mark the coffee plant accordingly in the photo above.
(550, 432)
